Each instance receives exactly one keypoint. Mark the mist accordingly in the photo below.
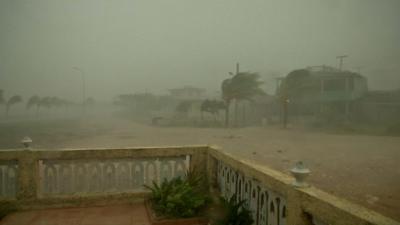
(137, 46)
(272, 89)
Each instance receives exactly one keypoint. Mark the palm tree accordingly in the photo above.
(184, 107)
(242, 86)
(12, 101)
(46, 102)
(33, 101)
(211, 106)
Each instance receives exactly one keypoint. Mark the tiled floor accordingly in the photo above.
(134, 214)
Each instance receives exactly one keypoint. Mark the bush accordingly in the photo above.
(6, 208)
(179, 197)
(235, 212)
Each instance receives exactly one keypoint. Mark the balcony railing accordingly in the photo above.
(83, 177)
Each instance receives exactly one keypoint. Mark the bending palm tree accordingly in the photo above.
(12, 101)
(33, 101)
(211, 106)
(242, 86)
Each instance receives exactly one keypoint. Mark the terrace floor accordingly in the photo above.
(128, 214)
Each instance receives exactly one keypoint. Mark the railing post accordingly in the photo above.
(28, 176)
(212, 172)
(199, 160)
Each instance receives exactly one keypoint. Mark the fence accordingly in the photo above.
(58, 178)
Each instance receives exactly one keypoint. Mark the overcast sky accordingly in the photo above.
(152, 45)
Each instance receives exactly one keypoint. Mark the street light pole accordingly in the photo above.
(83, 87)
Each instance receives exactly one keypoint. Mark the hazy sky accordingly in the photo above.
(137, 45)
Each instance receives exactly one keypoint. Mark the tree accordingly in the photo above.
(184, 107)
(211, 106)
(242, 86)
(46, 102)
(296, 86)
(33, 101)
(12, 101)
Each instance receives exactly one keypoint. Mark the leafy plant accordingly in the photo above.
(6, 208)
(179, 197)
(197, 180)
(235, 212)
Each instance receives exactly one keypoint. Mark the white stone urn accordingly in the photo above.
(300, 173)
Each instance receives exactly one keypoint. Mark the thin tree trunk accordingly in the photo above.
(227, 114)
(236, 113)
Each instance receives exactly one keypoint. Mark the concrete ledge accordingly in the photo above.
(334, 210)
(310, 201)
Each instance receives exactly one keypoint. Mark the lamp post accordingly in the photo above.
(83, 87)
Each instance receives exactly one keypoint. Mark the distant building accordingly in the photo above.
(188, 93)
(336, 85)
(380, 106)
(320, 88)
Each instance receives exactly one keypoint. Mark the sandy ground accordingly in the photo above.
(362, 169)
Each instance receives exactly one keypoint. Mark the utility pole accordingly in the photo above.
(341, 57)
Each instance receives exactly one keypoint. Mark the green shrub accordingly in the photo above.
(235, 212)
(179, 197)
(6, 208)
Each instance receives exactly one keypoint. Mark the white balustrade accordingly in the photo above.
(267, 207)
(68, 177)
(8, 178)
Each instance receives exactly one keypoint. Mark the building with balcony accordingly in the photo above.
(321, 88)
